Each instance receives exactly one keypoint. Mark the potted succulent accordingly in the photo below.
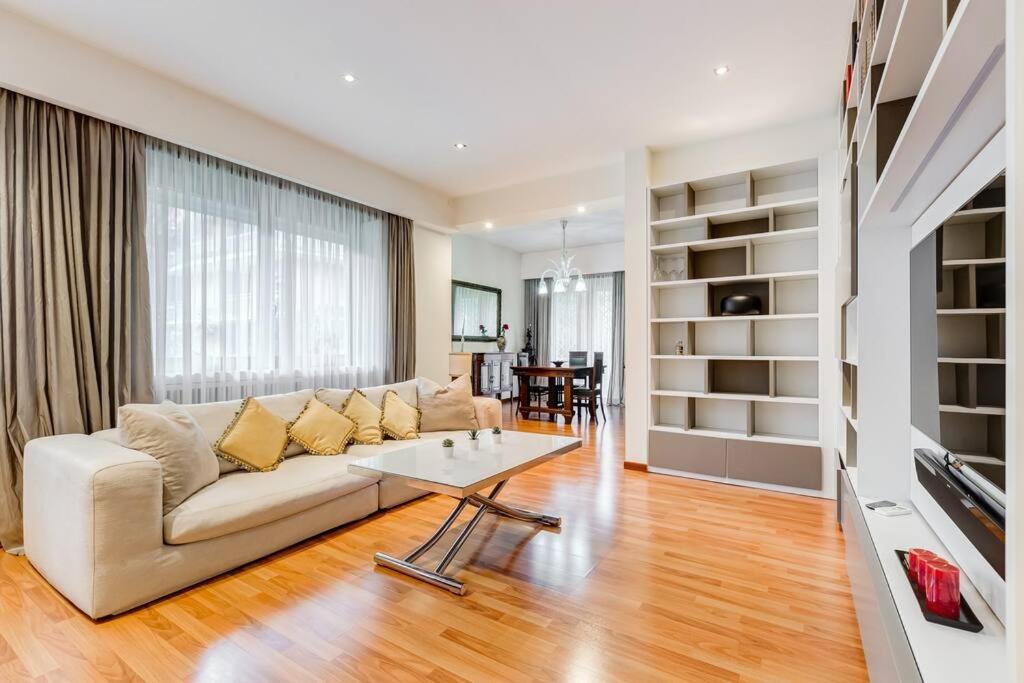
(496, 434)
(474, 439)
(448, 448)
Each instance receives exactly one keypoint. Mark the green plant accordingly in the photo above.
(496, 430)
(448, 443)
(473, 433)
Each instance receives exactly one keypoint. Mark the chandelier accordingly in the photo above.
(562, 272)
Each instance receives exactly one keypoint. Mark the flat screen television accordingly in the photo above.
(958, 368)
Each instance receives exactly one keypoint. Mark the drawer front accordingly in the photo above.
(772, 463)
(687, 453)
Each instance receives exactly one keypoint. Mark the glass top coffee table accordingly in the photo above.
(463, 476)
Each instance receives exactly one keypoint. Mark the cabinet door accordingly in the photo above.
(485, 378)
(773, 463)
(506, 374)
(495, 371)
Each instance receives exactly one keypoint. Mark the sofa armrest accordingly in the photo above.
(92, 513)
(488, 411)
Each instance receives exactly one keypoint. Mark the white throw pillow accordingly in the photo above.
(174, 439)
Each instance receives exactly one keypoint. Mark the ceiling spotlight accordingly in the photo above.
(349, 78)
(721, 70)
(461, 145)
(581, 209)
(488, 225)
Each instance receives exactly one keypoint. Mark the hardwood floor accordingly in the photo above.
(650, 578)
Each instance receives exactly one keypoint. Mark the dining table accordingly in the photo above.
(560, 379)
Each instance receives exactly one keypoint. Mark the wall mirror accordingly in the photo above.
(476, 311)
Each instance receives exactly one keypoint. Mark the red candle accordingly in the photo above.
(918, 559)
(943, 588)
(914, 558)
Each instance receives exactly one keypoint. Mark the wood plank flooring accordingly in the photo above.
(650, 578)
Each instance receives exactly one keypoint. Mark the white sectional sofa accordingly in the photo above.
(95, 530)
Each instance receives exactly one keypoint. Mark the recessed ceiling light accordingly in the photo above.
(349, 78)
(581, 209)
(721, 70)
(461, 145)
(488, 225)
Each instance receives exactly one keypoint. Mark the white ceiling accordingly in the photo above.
(599, 227)
(535, 87)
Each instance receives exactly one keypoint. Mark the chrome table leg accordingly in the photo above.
(437, 577)
(514, 512)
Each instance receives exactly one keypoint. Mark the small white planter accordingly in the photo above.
(474, 444)
(496, 438)
(449, 451)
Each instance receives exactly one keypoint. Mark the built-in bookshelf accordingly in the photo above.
(722, 385)
(921, 112)
(971, 328)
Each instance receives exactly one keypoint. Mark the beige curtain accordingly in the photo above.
(401, 331)
(74, 300)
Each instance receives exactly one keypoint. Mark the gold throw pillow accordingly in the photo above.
(401, 420)
(255, 440)
(322, 431)
(367, 417)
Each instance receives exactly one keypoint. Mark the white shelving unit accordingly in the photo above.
(920, 134)
(736, 398)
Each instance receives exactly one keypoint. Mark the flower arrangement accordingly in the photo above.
(483, 330)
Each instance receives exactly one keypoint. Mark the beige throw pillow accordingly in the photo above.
(446, 408)
(172, 437)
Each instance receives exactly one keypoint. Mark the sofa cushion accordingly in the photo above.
(214, 418)
(336, 398)
(241, 500)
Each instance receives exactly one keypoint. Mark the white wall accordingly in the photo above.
(45, 64)
(483, 263)
(598, 258)
(814, 138)
(433, 253)
(1015, 336)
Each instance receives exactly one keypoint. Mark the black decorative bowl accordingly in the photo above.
(741, 304)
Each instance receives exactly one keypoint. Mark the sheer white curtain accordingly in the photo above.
(258, 285)
(584, 321)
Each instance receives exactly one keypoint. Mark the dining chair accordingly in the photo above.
(578, 358)
(592, 394)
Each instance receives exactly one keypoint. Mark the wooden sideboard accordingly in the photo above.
(491, 373)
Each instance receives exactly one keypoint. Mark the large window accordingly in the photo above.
(258, 285)
(582, 321)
